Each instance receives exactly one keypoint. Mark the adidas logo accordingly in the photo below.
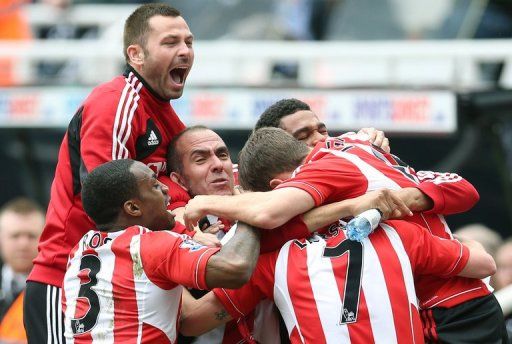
(153, 139)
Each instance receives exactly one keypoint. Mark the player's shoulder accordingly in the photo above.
(108, 94)
(163, 235)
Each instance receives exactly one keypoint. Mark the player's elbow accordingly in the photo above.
(487, 265)
(230, 273)
(189, 330)
(472, 197)
(239, 272)
(268, 220)
(481, 265)
(490, 266)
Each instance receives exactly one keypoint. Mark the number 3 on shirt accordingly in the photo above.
(87, 303)
(350, 302)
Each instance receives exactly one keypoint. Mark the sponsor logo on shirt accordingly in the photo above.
(153, 139)
(148, 142)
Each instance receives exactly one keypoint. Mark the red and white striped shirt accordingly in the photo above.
(345, 167)
(125, 286)
(333, 290)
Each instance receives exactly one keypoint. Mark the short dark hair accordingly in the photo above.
(106, 188)
(272, 116)
(174, 157)
(268, 152)
(136, 27)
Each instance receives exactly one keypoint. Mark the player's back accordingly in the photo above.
(383, 170)
(108, 296)
(335, 290)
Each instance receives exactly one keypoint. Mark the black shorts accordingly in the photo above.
(42, 314)
(474, 321)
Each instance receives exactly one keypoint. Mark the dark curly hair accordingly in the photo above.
(272, 116)
(106, 188)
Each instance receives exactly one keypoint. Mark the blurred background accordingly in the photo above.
(435, 76)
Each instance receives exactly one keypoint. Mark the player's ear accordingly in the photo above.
(132, 208)
(135, 54)
(178, 179)
(275, 182)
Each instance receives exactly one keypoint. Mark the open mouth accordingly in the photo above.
(178, 75)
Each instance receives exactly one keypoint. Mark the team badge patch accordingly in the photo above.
(191, 245)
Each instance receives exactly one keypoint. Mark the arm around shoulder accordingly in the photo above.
(261, 209)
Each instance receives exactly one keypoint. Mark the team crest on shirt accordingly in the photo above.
(191, 244)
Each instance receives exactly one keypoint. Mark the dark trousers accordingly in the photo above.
(42, 314)
(475, 321)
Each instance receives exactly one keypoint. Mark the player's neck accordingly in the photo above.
(112, 227)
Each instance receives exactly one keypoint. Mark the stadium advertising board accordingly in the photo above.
(429, 112)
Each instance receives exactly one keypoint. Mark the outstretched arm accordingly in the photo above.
(387, 201)
(261, 209)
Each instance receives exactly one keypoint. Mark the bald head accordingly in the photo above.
(199, 161)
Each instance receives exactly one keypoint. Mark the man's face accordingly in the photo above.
(168, 56)
(153, 199)
(207, 167)
(19, 235)
(503, 275)
(305, 126)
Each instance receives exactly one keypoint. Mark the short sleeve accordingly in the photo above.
(240, 302)
(169, 259)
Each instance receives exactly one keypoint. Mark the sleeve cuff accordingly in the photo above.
(201, 268)
(463, 261)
